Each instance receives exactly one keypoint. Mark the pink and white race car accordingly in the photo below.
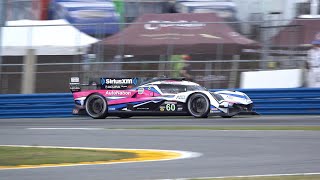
(125, 97)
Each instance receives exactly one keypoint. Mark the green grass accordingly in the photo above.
(13, 156)
(308, 177)
(282, 128)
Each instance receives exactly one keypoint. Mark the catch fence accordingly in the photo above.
(217, 69)
(293, 101)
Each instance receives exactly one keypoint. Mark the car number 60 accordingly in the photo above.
(170, 107)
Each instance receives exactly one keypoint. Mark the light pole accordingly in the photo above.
(2, 23)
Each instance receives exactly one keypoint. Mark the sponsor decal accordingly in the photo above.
(171, 107)
(214, 110)
(75, 80)
(140, 90)
(75, 111)
(169, 102)
(118, 93)
(118, 83)
(157, 25)
(181, 97)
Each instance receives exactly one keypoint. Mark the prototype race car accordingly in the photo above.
(125, 98)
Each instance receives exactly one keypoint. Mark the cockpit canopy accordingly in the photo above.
(175, 88)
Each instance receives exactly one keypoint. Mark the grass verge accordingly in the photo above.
(14, 156)
(253, 128)
(306, 177)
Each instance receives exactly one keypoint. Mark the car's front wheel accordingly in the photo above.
(199, 105)
(97, 106)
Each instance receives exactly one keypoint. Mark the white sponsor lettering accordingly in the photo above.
(118, 93)
(75, 79)
(140, 90)
(169, 102)
(119, 81)
(154, 25)
(170, 107)
(180, 97)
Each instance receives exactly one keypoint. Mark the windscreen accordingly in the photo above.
(174, 88)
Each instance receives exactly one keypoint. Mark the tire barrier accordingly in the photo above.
(295, 101)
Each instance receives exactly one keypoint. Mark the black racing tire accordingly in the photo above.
(97, 106)
(124, 116)
(198, 105)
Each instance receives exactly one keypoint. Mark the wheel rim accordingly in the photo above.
(199, 105)
(96, 106)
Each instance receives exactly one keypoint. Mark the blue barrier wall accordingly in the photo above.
(295, 101)
(36, 105)
(300, 101)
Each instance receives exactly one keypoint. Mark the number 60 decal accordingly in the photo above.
(170, 107)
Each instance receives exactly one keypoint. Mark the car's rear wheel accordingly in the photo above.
(97, 106)
(199, 105)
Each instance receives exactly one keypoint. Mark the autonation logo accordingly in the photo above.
(118, 93)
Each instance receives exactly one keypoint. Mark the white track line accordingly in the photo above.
(248, 176)
(65, 128)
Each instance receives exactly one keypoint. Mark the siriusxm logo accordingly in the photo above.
(118, 81)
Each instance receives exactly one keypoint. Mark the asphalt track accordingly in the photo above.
(225, 153)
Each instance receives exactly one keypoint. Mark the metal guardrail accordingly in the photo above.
(296, 101)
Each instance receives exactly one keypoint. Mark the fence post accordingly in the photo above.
(234, 72)
(2, 23)
(29, 69)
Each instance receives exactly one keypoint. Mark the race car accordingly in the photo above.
(126, 97)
